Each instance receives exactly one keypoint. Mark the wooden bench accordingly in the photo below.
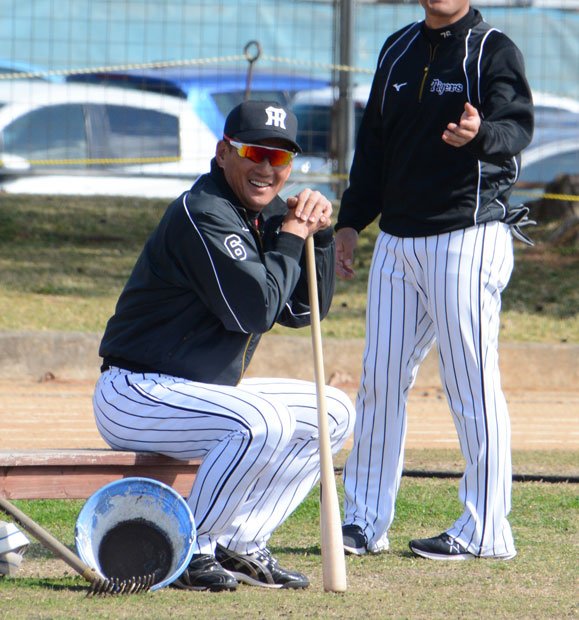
(77, 474)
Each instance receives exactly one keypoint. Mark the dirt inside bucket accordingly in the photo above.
(135, 548)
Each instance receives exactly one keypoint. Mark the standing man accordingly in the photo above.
(224, 264)
(436, 157)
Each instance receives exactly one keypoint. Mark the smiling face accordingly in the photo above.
(255, 184)
(441, 13)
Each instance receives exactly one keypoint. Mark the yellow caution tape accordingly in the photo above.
(178, 63)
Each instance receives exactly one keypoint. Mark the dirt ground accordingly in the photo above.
(57, 413)
(47, 379)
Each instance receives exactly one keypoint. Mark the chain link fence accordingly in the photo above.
(138, 90)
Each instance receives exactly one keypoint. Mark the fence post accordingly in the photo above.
(344, 117)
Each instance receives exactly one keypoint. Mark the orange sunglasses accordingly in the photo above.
(257, 153)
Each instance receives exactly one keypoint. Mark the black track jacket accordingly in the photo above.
(402, 169)
(207, 285)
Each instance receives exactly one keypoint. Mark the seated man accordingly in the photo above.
(224, 264)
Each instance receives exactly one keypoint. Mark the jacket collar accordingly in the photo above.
(457, 30)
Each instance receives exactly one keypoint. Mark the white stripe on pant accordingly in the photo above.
(258, 442)
(445, 288)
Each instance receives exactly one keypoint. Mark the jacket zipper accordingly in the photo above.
(426, 70)
(254, 226)
(244, 357)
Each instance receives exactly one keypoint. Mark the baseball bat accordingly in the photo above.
(333, 560)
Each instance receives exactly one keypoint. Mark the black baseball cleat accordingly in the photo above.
(441, 547)
(354, 540)
(205, 573)
(260, 569)
(445, 547)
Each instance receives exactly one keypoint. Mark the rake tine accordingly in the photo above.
(134, 585)
(97, 587)
(140, 585)
(129, 586)
(115, 586)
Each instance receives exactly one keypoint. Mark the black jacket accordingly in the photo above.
(207, 285)
(402, 169)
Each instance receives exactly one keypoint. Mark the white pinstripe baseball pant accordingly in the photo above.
(258, 442)
(446, 288)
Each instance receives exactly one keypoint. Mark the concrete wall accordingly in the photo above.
(67, 355)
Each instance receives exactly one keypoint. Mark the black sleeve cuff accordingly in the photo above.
(289, 244)
(356, 227)
(324, 238)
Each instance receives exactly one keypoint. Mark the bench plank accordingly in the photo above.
(77, 474)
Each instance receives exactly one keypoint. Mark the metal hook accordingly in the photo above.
(251, 58)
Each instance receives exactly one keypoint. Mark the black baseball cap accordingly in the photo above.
(252, 121)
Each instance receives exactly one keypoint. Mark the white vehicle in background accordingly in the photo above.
(85, 139)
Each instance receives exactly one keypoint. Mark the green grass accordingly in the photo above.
(539, 583)
(64, 261)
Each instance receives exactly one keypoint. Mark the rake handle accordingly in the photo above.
(50, 542)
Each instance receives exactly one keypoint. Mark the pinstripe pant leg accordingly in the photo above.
(292, 474)
(237, 434)
(473, 267)
(399, 334)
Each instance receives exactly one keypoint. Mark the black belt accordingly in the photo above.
(109, 362)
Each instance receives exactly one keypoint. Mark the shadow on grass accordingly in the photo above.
(51, 584)
(311, 550)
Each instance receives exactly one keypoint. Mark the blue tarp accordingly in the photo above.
(77, 34)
